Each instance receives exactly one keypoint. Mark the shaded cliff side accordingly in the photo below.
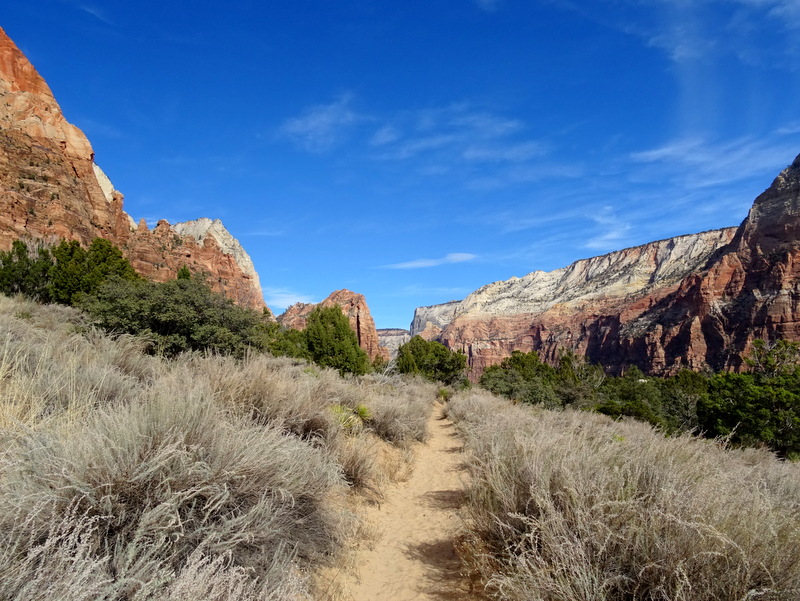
(692, 301)
(50, 188)
(354, 306)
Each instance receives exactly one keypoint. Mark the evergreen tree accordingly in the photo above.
(331, 342)
(26, 272)
(431, 359)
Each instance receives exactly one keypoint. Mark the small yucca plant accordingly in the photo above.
(352, 419)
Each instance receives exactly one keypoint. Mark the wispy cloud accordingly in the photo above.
(421, 263)
(281, 298)
(614, 231)
(700, 163)
(95, 12)
(789, 129)
(458, 133)
(322, 126)
(683, 42)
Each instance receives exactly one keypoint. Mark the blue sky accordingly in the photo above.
(414, 151)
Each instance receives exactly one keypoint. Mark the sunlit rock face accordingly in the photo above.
(688, 302)
(392, 339)
(354, 306)
(51, 188)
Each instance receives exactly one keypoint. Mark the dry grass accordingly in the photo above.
(574, 506)
(315, 404)
(125, 477)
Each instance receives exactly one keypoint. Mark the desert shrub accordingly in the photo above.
(574, 506)
(26, 271)
(287, 342)
(331, 342)
(177, 316)
(350, 418)
(632, 395)
(761, 407)
(63, 273)
(523, 377)
(400, 412)
(142, 488)
(77, 271)
(431, 360)
(48, 373)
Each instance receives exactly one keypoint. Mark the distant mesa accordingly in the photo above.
(693, 301)
(50, 188)
(354, 306)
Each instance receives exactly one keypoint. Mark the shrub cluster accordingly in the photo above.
(761, 407)
(431, 360)
(569, 506)
(61, 274)
(177, 316)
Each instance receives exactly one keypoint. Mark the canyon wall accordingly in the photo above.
(354, 306)
(51, 188)
(688, 302)
(392, 339)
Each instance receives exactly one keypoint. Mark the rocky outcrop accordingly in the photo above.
(392, 339)
(51, 188)
(688, 302)
(429, 321)
(354, 306)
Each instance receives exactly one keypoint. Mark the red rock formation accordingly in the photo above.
(626, 309)
(354, 306)
(51, 188)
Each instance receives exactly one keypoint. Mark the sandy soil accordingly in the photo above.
(418, 523)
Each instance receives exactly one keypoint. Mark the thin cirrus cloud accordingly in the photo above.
(323, 126)
(459, 133)
(700, 163)
(614, 231)
(422, 263)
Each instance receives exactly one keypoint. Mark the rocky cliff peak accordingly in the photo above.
(354, 306)
(774, 219)
(50, 187)
(200, 229)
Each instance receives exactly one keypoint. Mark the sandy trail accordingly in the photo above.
(414, 558)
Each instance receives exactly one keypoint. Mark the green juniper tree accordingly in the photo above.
(332, 343)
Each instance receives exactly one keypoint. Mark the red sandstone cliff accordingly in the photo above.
(50, 187)
(688, 302)
(354, 306)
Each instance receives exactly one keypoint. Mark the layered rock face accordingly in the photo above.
(429, 321)
(354, 306)
(392, 339)
(688, 302)
(51, 188)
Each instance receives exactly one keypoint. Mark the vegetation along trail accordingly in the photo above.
(418, 524)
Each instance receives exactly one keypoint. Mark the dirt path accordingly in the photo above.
(414, 558)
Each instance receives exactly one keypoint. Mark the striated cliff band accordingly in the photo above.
(50, 187)
(692, 302)
(354, 306)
